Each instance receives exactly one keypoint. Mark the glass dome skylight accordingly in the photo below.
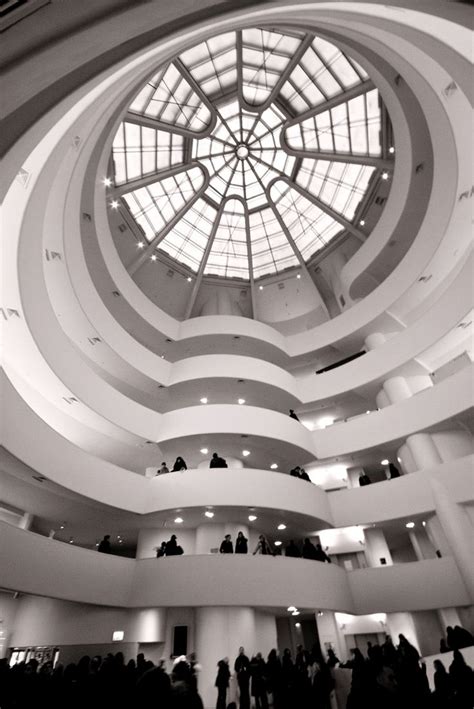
(250, 152)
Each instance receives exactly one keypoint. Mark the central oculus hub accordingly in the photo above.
(242, 152)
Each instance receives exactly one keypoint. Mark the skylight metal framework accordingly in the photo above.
(249, 153)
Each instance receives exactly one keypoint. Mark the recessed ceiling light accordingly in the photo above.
(209, 514)
(281, 526)
(153, 257)
(245, 453)
(241, 401)
(252, 518)
(140, 244)
(203, 400)
(424, 523)
(367, 412)
(391, 149)
(278, 544)
(107, 181)
(384, 175)
(384, 462)
(298, 275)
(295, 613)
(189, 279)
(204, 451)
(290, 609)
(114, 204)
(260, 288)
(410, 525)
(273, 466)
(297, 625)
(362, 222)
(178, 520)
(71, 541)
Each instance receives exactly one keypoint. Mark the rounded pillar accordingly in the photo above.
(376, 548)
(397, 389)
(219, 633)
(459, 533)
(423, 450)
(376, 339)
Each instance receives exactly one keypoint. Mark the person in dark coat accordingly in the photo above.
(304, 475)
(153, 684)
(105, 546)
(292, 550)
(172, 547)
(217, 461)
(274, 678)
(226, 546)
(161, 551)
(222, 682)
(393, 471)
(258, 675)
(179, 464)
(443, 688)
(241, 544)
(309, 550)
(295, 472)
(184, 694)
(364, 480)
(333, 659)
(462, 678)
(463, 637)
(242, 671)
(293, 415)
(320, 554)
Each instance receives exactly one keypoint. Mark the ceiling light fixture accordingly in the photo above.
(273, 466)
(297, 625)
(278, 543)
(241, 401)
(298, 275)
(362, 222)
(203, 400)
(209, 514)
(384, 462)
(107, 181)
(252, 518)
(391, 150)
(153, 257)
(204, 451)
(295, 613)
(178, 520)
(114, 204)
(410, 525)
(384, 175)
(290, 609)
(260, 288)
(189, 279)
(281, 526)
(140, 244)
(245, 453)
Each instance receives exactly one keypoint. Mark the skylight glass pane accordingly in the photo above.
(228, 256)
(309, 226)
(154, 205)
(271, 251)
(206, 64)
(339, 185)
(169, 98)
(187, 241)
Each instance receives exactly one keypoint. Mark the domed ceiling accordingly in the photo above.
(250, 152)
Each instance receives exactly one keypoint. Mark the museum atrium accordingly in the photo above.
(213, 215)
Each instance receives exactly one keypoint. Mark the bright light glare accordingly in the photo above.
(278, 544)
(281, 526)
(179, 520)
(107, 181)
(391, 149)
(384, 462)
(114, 204)
(245, 453)
(297, 625)
(209, 514)
(273, 466)
(384, 175)
(290, 609)
(204, 451)
(362, 222)
(203, 400)
(295, 613)
(140, 244)
(153, 257)
(252, 518)
(241, 401)
(410, 525)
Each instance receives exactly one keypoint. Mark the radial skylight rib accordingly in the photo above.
(310, 227)
(271, 251)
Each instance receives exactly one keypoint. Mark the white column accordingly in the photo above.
(458, 530)
(26, 521)
(423, 450)
(416, 546)
(437, 537)
(329, 632)
(448, 616)
(397, 389)
(219, 633)
(402, 623)
(374, 340)
(382, 400)
(376, 547)
(150, 625)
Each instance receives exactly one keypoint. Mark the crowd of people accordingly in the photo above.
(393, 677)
(456, 639)
(180, 464)
(284, 682)
(99, 683)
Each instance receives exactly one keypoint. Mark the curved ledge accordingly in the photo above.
(41, 566)
(426, 409)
